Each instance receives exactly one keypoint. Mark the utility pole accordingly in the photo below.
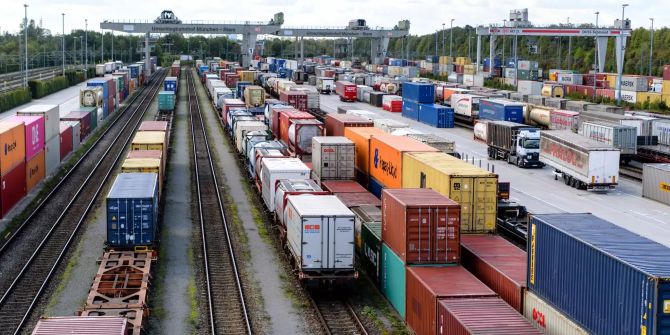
(470, 46)
(81, 52)
(569, 48)
(651, 45)
(620, 69)
(435, 66)
(503, 46)
(25, 45)
(443, 29)
(595, 61)
(86, 48)
(63, 43)
(451, 40)
(112, 45)
(102, 46)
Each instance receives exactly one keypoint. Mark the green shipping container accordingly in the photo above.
(94, 115)
(527, 74)
(393, 279)
(166, 100)
(371, 236)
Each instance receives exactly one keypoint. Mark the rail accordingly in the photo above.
(10, 81)
(20, 298)
(223, 283)
(631, 172)
(336, 315)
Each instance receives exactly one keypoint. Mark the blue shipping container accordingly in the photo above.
(105, 93)
(410, 109)
(134, 71)
(241, 85)
(436, 115)
(170, 84)
(500, 110)
(419, 92)
(132, 210)
(375, 187)
(607, 279)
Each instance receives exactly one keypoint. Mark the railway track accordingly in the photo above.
(10, 81)
(631, 172)
(226, 305)
(31, 256)
(336, 315)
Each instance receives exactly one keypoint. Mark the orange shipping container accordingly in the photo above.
(361, 138)
(13, 144)
(35, 170)
(385, 157)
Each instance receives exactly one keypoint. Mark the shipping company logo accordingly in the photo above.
(34, 135)
(533, 232)
(9, 147)
(599, 135)
(663, 186)
(33, 171)
(564, 154)
(328, 150)
(387, 167)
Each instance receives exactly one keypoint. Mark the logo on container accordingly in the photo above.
(376, 159)
(34, 135)
(9, 147)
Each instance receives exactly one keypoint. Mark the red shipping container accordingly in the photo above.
(569, 89)
(666, 72)
(111, 106)
(13, 188)
(342, 186)
(497, 263)
(274, 117)
(605, 92)
(228, 105)
(358, 199)
(285, 118)
(65, 141)
(585, 90)
(153, 126)
(459, 68)
(346, 90)
(421, 226)
(294, 98)
(335, 123)
(393, 106)
(481, 316)
(232, 79)
(427, 285)
(84, 119)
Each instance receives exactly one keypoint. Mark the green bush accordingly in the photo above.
(492, 83)
(74, 77)
(14, 98)
(42, 88)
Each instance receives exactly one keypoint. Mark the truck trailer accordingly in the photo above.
(516, 143)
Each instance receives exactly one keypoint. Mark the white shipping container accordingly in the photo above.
(465, 104)
(51, 114)
(618, 136)
(627, 96)
(570, 78)
(564, 119)
(52, 155)
(634, 84)
(389, 125)
(529, 87)
(528, 65)
(661, 128)
(76, 134)
(593, 163)
(510, 73)
(320, 232)
(473, 80)
(333, 157)
(241, 130)
(546, 318)
(642, 123)
(656, 182)
(291, 185)
(274, 169)
(363, 113)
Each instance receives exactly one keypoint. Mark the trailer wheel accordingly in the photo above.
(567, 180)
(574, 183)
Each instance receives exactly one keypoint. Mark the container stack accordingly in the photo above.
(34, 148)
(418, 103)
(12, 164)
(51, 117)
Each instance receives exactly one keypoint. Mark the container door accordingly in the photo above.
(341, 239)
(314, 243)
(663, 318)
(461, 192)
(444, 244)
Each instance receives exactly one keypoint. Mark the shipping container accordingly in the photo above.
(149, 140)
(12, 139)
(370, 247)
(52, 155)
(145, 165)
(274, 149)
(389, 125)
(351, 199)
(466, 105)
(480, 316)
(65, 140)
(618, 136)
(661, 129)
(96, 115)
(346, 90)
(475, 189)
(243, 128)
(76, 133)
(333, 157)
(34, 133)
(89, 325)
(418, 92)
(342, 186)
(582, 162)
(427, 285)
(564, 120)
(336, 123)
(132, 210)
(436, 115)
(361, 138)
(84, 120)
(577, 105)
(656, 182)
(392, 279)
(617, 260)
(501, 110)
(320, 235)
(153, 126)
(548, 319)
(558, 103)
(435, 141)
(166, 101)
(634, 83)
(286, 187)
(605, 109)
(254, 96)
(35, 170)
(386, 157)
(421, 226)
(13, 187)
(410, 109)
(499, 264)
(275, 169)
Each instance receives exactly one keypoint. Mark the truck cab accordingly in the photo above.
(516, 143)
(527, 149)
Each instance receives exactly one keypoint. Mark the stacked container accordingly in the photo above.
(336, 123)
(275, 169)
(85, 122)
(12, 165)
(333, 157)
(65, 140)
(361, 136)
(386, 158)
(51, 117)
(34, 148)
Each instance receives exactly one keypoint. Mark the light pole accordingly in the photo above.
(102, 46)
(86, 48)
(569, 48)
(435, 66)
(112, 45)
(81, 51)
(25, 44)
(74, 49)
(620, 74)
(443, 29)
(503, 45)
(651, 46)
(63, 43)
(451, 39)
(595, 59)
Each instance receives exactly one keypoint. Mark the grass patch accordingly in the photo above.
(289, 292)
(259, 218)
(63, 279)
(192, 291)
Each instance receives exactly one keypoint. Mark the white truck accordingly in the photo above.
(320, 237)
(466, 106)
(581, 162)
(516, 143)
(325, 85)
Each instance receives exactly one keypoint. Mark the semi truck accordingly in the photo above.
(516, 143)
(581, 162)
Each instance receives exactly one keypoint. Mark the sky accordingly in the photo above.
(425, 15)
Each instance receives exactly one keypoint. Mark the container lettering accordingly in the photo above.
(539, 318)
(664, 187)
(532, 255)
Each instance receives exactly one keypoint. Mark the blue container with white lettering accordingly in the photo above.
(436, 115)
(132, 210)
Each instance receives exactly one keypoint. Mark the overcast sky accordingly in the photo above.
(425, 15)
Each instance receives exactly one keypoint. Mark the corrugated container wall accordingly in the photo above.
(52, 155)
(361, 138)
(12, 139)
(656, 182)
(547, 318)
(90, 325)
(392, 279)
(485, 316)
(35, 170)
(333, 157)
(132, 210)
(13, 187)
(386, 157)
(627, 287)
(51, 114)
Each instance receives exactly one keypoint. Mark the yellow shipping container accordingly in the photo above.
(149, 140)
(611, 80)
(475, 189)
(444, 60)
(247, 76)
(144, 165)
(651, 96)
(665, 90)
(463, 61)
